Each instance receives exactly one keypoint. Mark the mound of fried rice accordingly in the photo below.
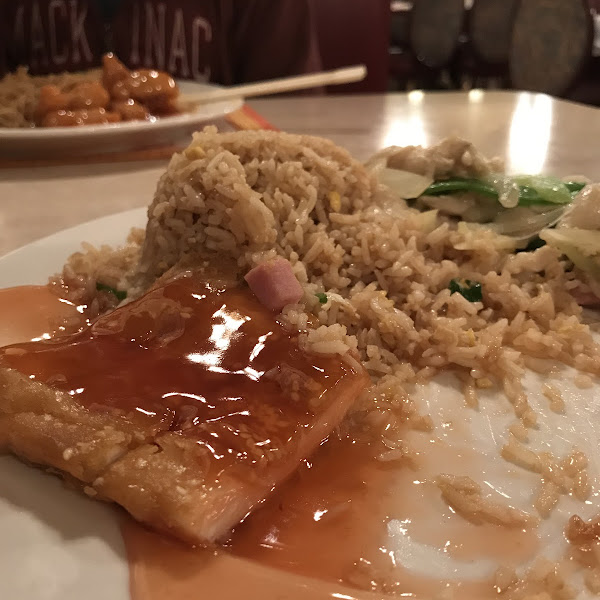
(385, 268)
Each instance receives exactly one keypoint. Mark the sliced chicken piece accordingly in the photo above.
(584, 212)
(274, 284)
(186, 406)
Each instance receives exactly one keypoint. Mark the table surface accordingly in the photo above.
(532, 132)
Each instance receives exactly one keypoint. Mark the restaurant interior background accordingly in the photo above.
(550, 46)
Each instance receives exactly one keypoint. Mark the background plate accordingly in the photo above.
(54, 142)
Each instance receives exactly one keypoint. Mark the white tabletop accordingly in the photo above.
(532, 132)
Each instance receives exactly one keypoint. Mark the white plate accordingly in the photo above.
(57, 545)
(53, 142)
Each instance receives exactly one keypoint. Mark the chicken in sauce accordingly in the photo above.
(120, 95)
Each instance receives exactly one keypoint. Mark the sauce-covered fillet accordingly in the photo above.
(186, 406)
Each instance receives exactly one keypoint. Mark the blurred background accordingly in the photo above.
(550, 46)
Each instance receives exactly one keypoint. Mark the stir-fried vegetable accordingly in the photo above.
(532, 189)
(119, 294)
(461, 184)
(322, 297)
(508, 190)
(523, 222)
(404, 183)
(468, 289)
(517, 206)
(533, 244)
(574, 186)
(536, 189)
(586, 241)
(580, 246)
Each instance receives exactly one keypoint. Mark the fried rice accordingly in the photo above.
(19, 93)
(383, 267)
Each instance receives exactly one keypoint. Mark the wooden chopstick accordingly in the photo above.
(277, 86)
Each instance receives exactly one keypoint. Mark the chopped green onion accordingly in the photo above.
(119, 294)
(470, 290)
(322, 297)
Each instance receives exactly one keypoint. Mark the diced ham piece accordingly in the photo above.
(274, 284)
(584, 298)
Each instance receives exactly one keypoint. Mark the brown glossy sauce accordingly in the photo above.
(161, 569)
(342, 502)
(324, 532)
(33, 311)
(209, 362)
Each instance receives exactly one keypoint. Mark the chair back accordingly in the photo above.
(551, 45)
(435, 29)
(490, 29)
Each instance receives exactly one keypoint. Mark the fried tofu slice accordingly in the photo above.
(187, 406)
(47, 427)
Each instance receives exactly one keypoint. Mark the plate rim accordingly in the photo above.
(133, 212)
